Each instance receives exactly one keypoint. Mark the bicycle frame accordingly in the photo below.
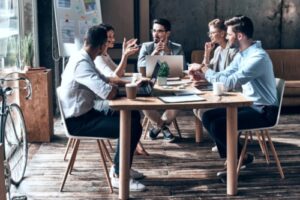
(3, 115)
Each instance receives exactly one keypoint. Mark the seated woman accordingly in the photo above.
(222, 56)
(109, 68)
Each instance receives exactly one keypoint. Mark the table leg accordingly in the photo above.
(125, 138)
(232, 136)
(198, 130)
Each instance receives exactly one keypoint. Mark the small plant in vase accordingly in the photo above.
(27, 52)
(163, 73)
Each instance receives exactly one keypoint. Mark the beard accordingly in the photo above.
(235, 44)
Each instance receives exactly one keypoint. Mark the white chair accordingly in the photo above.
(77, 139)
(263, 133)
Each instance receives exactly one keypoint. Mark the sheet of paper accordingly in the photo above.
(188, 92)
(178, 99)
(180, 82)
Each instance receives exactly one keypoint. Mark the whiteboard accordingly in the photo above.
(72, 19)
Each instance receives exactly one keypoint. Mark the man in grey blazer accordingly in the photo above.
(161, 45)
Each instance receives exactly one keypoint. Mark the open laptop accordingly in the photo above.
(145, 89)
(175, 62)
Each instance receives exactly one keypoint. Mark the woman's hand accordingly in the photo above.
(130, 47)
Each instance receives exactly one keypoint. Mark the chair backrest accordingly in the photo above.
(280, 84)
(62, 115)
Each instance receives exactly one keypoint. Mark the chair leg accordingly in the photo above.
(145, 120)
(243, 153)
(260, 142)
(265, 146)
(275, 155)
(104, 164)
(175, 123)
(199, 130)
(106, 153)
(71, 162)
(110, 146)
(251, 136)
(67, 148)
(146, 128)
(74, 150)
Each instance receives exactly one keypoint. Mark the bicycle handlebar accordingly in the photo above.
(27, 87)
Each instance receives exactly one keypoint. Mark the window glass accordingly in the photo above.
(9, 34)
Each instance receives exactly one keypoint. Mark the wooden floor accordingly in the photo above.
(183, 170)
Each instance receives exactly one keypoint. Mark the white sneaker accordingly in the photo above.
(134, 186)
(214, 148)
(133, 173)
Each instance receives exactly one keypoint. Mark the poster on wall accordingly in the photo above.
(64, 4)
(73, 18)
(89, 5)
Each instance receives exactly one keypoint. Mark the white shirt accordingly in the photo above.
(81, 85)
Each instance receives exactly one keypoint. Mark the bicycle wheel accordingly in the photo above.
(16, 147)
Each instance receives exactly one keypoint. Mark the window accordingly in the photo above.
(9, 34)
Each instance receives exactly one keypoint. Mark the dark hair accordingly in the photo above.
(164, 22)
(96, 36)
(241, 24)
(108, 27)
(218, 23)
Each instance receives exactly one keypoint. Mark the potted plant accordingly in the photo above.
(163, 73)
(27, 52)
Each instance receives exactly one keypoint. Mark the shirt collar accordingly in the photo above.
(255, 45)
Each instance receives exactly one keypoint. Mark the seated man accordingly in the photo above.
(161, 45)
(81, 85)
(222, 55)
(251, 69)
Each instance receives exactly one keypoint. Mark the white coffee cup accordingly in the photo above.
(136, 77)
(218, 88)
(131, 89)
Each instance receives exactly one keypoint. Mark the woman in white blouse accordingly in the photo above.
(109, 68)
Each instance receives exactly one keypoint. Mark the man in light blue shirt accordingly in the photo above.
(251, 69)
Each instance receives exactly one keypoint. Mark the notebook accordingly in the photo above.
(145, 89)
(175, 63)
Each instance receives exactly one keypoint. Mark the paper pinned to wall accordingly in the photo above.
(72, 19)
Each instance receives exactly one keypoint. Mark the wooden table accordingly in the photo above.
(230, 101)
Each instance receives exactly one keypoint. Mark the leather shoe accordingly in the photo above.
(247, 161)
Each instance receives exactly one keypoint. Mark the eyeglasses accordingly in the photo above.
(157, 31)
(212, 33)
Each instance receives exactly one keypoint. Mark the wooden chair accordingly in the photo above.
(263, 133)
(146, 123)
(76, 139)
(71, 144)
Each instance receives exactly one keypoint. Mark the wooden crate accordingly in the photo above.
(38, 112)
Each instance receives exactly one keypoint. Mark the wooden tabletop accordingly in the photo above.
(211, 101)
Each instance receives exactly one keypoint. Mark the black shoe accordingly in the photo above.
(168, 136)
(249, 160)
(153, 133)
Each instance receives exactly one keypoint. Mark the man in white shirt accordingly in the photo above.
(81, 85)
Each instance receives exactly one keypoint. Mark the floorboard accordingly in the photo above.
(182, 170)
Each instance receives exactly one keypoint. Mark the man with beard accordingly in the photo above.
(251, 69)
(161, 45)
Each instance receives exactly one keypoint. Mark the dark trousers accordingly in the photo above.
(95, 123)
(215, 123)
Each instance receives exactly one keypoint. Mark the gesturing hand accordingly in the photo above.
(130, 47)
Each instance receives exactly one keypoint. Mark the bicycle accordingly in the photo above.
(13, 131)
